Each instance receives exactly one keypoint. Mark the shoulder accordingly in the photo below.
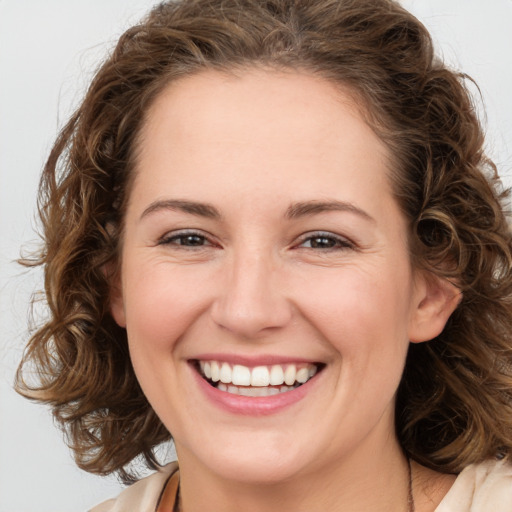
(480, 488)
(141, 496)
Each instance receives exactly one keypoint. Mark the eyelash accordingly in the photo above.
(336, 242)
(171, 239)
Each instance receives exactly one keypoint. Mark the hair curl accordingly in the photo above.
(454, 404)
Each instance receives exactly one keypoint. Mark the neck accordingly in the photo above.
(377, 480)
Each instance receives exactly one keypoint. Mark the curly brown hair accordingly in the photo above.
(454, 404)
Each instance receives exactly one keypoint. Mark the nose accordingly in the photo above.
(252, 300)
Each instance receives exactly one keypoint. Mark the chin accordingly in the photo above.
(264, 462)
(256, 470)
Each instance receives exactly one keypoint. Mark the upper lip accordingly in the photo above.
(252, 361)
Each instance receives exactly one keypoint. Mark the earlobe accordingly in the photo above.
(116, 297)
(112, 274)
(436, 299)
(117, 308)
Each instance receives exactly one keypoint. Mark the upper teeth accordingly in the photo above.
(258, 376)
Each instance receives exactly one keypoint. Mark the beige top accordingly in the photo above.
(485, 487)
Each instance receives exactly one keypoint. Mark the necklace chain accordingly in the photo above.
(410, 496)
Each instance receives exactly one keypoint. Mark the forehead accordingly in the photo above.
(240, 128)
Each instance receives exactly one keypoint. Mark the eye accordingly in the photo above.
(325, 241)
(185, 239)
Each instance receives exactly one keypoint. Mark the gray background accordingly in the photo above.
(48, 51)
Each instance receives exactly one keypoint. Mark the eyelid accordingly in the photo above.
(344, 242)
(177, 233)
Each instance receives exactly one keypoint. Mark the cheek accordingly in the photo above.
(363, 315)
(161, 303)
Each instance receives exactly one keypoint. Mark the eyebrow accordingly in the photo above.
(305, 208)
(294, 211)
(192, 207)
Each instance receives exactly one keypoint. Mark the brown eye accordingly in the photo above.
(325, 241)
(322, 242)
(190, 240)
(185, 240)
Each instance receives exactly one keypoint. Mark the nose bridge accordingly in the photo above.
(252, 299)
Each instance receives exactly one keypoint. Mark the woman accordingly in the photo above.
(271, 231)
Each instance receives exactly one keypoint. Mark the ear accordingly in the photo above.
(116, 296)
(435, 299)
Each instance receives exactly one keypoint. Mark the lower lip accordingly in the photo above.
(254, 406)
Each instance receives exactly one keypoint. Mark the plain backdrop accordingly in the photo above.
(48, 51)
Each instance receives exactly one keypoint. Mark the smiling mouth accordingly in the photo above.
(256, 381)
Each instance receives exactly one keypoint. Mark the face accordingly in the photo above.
(265, 285)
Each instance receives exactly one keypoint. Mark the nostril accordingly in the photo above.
(250, 319)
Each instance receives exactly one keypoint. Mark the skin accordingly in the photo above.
(259, 282)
